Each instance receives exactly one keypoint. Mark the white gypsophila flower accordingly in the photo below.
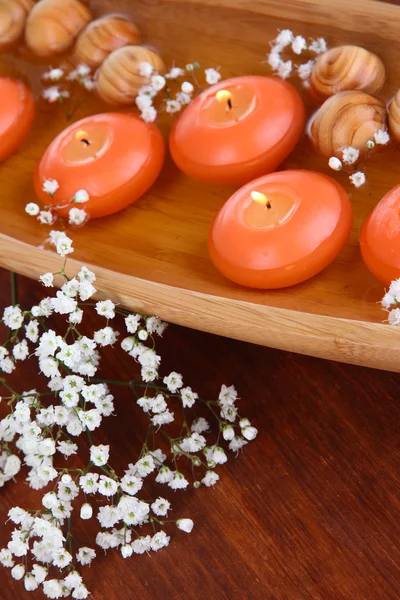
(77, 216)
(99, 455)
(144, 101)
(394, 317)
(89, 483)
(145, 69)
(304, 71)
(350, 155)
(21, 350)
(52, 588)
(143, 335)
(200, 425)
(32, 209)
(335, 163)
(6, 558)
(32, 331)
(85, 275)
(46, 217)
(299, 44)
(318, 46)
(174, 73)
(132, 323)
(62, 304)
(228, 433)
(85, 555)
(388, 300)
(67, 448)
(53, 74)
(381, 137)
(50, 186)
(188, 397)
(106, 336)
(173, 381)
(157, 82)
(7, 365)
(172, 106)
(187, 87)
(107, 486)
(149, 114)
(237, 443)
(39, 572)
(13, 317)
(285, 69)
(108, 516)
(106, 309)
(358, 179)
(80, 197)
(274, 59)
(212, 76)
(64, 246)
(52, 94)
(47, 279)
(88, 83)
(160, 507)
(130, 484)
(159, 540)
(30, 582)
(178, 481)
(145, 465)
(164, 418)
(210, 478)
(185, 525)
(86, 290)
(76, 316)
(284, 38)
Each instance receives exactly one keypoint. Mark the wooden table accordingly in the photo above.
(310, 511)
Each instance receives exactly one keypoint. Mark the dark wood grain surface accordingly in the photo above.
(309, 511)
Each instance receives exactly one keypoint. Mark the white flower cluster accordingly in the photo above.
(54, 76)
(391, 303)
(158, 83)
(48, 216)
(44, 427)
(351, 155)
(297, 45)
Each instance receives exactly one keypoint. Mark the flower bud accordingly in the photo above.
(370, 144)
(18, 572)
(228, 433)
(185, 525)
(126, 550)
(86, 511)
(249, 433)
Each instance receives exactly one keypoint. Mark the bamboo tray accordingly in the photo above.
(153, 256)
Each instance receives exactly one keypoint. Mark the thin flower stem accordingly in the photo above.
(112, 381)
(14, 288)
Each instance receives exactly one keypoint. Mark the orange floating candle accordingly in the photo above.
(237, 130)
(280, 229)
(115, 157)
(17, 111)
(380, 238)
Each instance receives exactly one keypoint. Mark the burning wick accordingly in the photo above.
(82, 137)
(261, 199)
(224, 96)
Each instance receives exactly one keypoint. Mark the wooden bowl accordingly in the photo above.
(153, 256)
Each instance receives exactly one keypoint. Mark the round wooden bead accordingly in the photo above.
(347, 119)
(103, 36)
(394, 117)
(119, 80)
(53, 25)
(347, 68)
(13, 15)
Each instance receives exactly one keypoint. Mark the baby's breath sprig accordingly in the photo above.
(64, 82)
(48, 215)
(183, 441)
(286, 47)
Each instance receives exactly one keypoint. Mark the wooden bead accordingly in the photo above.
(53, 25)
(103, 36)
(13, 15)
(347, 119)
(347, 68)
(394, 117)
(118, 79)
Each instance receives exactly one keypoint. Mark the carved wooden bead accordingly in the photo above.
(103, 36)
(13, 15)
(394, 117)
(347, 119)
(53, 25)
(118, 79)
(347, 68)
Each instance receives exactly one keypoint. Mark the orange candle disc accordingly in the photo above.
(17, 111)
(380, 238)
(280, 229)
(237, 130)
(115, 157)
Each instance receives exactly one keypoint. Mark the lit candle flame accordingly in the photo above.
(259, 198)
(81, 135)
(224, 96)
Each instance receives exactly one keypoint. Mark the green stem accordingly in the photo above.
(111, 381)
(14, 288)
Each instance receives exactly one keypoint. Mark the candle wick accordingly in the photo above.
(86, 142)
(229, 103)
(268, 205)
